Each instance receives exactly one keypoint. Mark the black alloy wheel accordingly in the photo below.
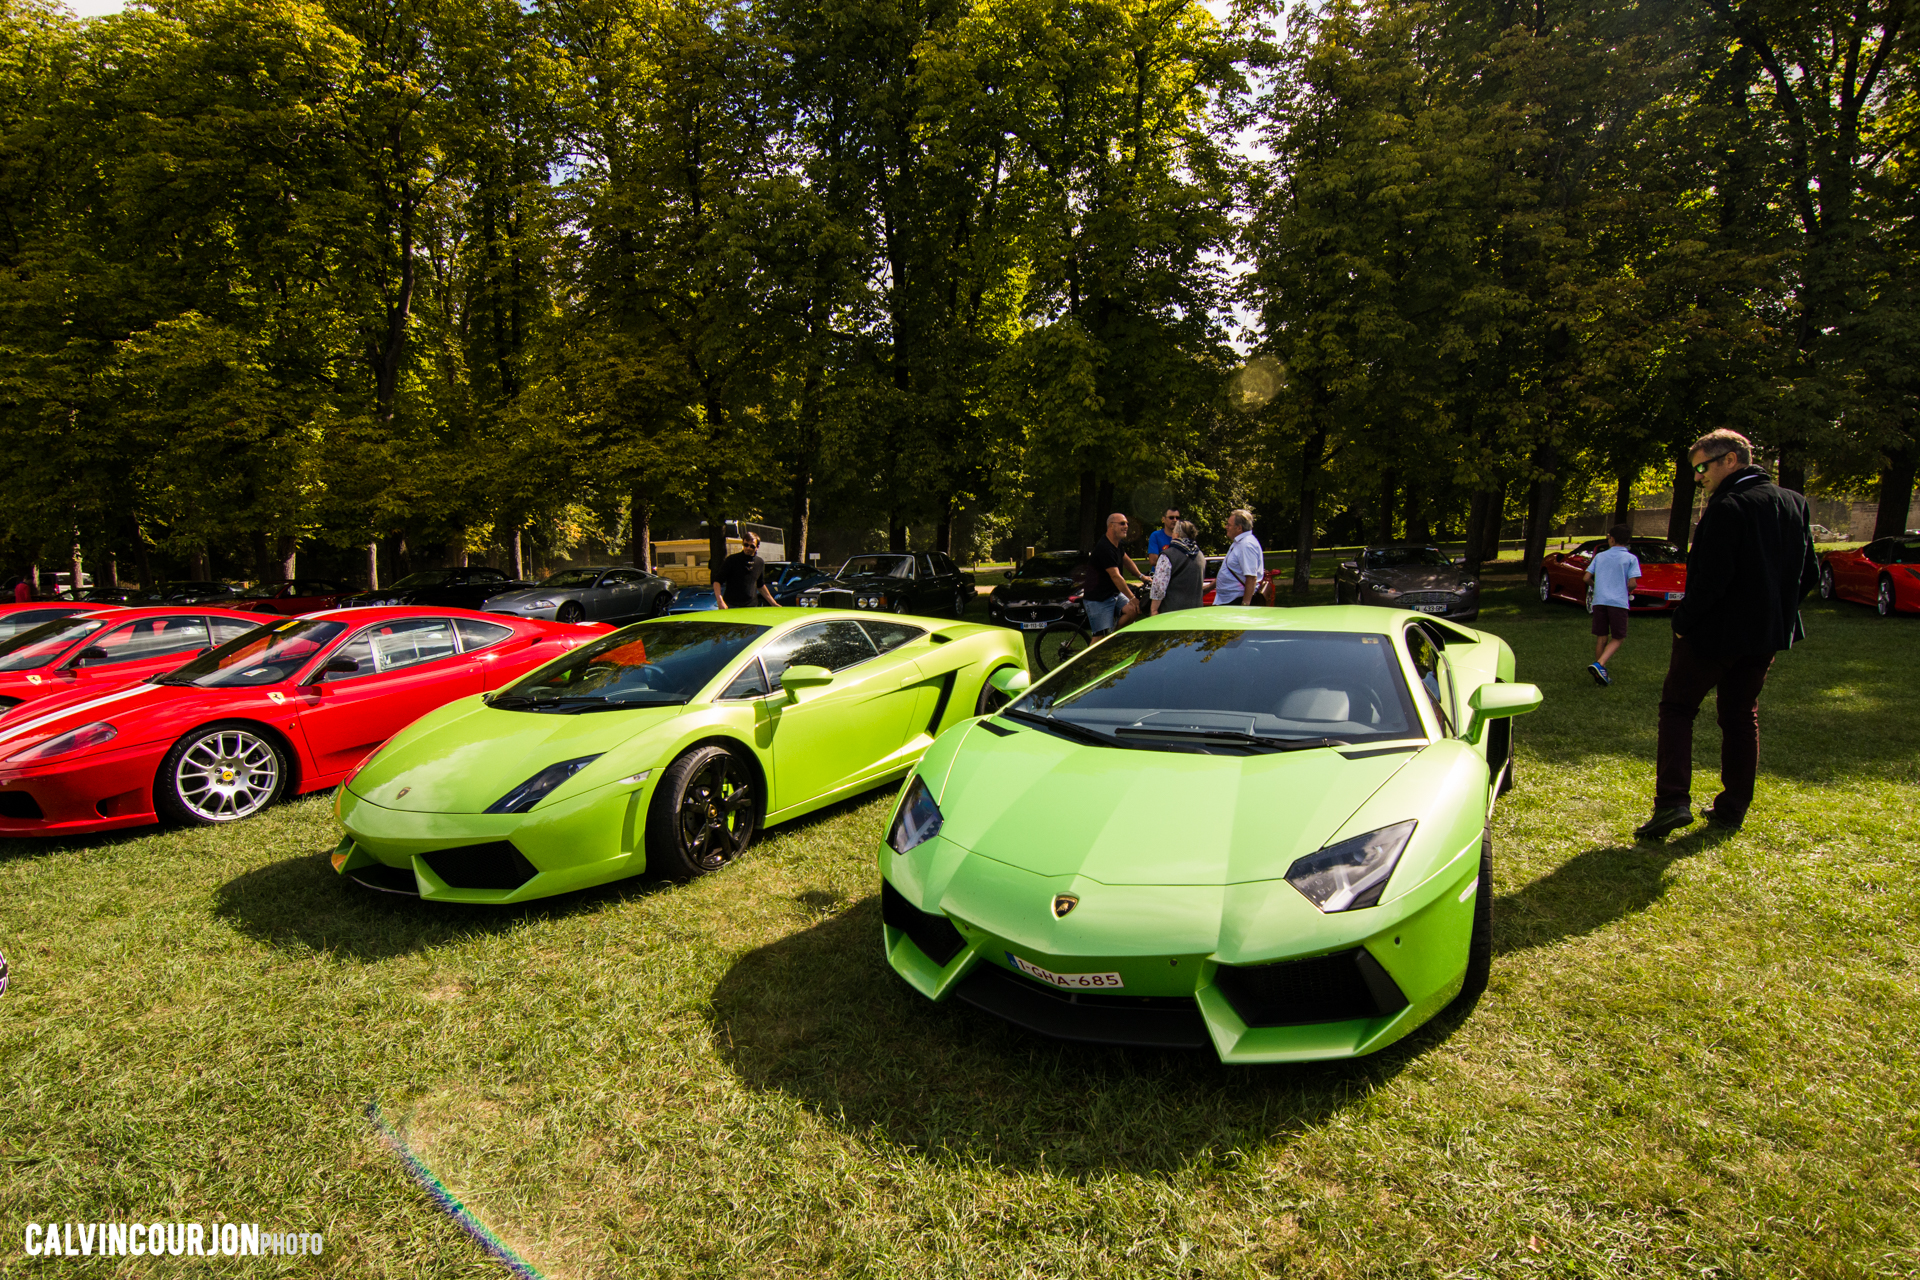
(1883, 599)
(570, 612)
(1480, 943)
(703, 815)
(990, 699)
(1060, 643)
(1826, 581)
(661, 603)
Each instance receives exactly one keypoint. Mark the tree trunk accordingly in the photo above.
(1623, 501)
(1896, 492)
(145, 560)
(33, 578)
(1389, 486)
(1539, 516)
(896, 532)
(943, 536)
(1680, 518)
(800, 514)
(373, 565)
(716, 541)
(518, 550)
(113, 569)
(642, 525)
(289, 546)
(1418, 526)
(74, 562)
(1309, 513)
(1476, 550)
(199, 564)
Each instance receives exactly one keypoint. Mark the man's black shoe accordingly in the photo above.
(1723, 821)
(1664, 822)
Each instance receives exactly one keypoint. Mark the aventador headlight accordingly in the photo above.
(87, 735)
(1352, 874)
(918, 820)
(535, 789)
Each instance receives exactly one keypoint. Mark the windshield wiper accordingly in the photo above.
(575, 705)
(167, 677)
(1065, 728)
(1234, 735)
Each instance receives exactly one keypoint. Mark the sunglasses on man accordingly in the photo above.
(1700, 468)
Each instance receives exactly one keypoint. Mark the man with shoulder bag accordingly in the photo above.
(1750, 565)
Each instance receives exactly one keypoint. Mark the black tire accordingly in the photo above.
(1546, 588)
(661, 603)
(902, 605)
(570, 612)
(990, 699)
(1883, 597)
(1589, 599)
(703, 814)
(1059, 644)
(961, 599)
(1826, 581)
(221, 772)
(1480, 943)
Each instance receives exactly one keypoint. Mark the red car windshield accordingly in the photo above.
(42, 644)
(265, 655)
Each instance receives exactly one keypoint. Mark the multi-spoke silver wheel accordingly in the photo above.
(221, 774)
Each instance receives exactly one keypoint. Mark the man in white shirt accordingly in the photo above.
(1612, 574)
(1246, 564)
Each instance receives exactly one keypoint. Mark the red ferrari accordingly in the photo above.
(1663, 575)
(103, 647)
(1273, 578)
(1885, 574)
(288, 707)
(288, 599)
(15, 618)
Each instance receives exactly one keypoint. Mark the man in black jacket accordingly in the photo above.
(1751, 564)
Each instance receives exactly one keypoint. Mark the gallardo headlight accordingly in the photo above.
(1352, 874)
(535, 789)
(918, 820)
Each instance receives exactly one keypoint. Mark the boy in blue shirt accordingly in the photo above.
(1612, 574)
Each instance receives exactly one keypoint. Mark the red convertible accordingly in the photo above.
(1885, 574)
(108, 646)
(289, 707)
(1662, 584)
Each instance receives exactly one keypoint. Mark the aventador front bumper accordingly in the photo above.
(1297, 986)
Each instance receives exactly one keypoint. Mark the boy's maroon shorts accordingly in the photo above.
(1610, 620)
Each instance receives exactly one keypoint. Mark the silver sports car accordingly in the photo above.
(618, 593)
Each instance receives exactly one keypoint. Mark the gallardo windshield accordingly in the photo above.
(265, 655)
(1237, 689)
(653, 664)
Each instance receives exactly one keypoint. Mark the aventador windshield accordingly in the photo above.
(653, 664)
(265, 655)
(1243, 689)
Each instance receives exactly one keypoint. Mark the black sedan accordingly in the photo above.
(1409, 575)
(1048, 588)
(456, 588)
(617, 593)
(922, 582)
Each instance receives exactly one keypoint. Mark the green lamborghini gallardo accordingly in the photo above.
(1263, 830)
(661, 746)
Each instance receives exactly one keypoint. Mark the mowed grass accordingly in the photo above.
(1695, 1059)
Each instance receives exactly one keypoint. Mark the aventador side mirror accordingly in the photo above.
(1498, 702)
(796, 679)
(1010, 681)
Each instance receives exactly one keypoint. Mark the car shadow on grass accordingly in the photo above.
(301, 904)
(1591, 890)
(821, 1017)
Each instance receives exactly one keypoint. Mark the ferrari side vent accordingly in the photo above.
(481, 866)
(19, 806)
(1342, 987)
(7, 704)
(935, 935)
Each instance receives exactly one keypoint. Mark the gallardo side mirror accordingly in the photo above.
(1498, 702)
(798, 681)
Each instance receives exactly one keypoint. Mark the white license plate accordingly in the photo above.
(1676, 595)
(1068, 981)
(1429, 608)
(1033, 626)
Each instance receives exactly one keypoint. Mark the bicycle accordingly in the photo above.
(1059, 643)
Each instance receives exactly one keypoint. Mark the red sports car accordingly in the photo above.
(1663, 575)
(1885, 574)
(1276, 580)
(302, 595)
(15, 618)
(105, 647)
(285, 708)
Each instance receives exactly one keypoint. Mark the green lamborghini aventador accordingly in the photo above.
(663, 745)
(1259, 829)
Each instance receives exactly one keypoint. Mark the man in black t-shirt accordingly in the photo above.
(741, 584)
(1110, 601)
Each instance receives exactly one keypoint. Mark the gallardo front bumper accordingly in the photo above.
(576, 843)
(1298, 986)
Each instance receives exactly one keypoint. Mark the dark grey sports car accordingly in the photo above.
(1409, 575)
(616, 593)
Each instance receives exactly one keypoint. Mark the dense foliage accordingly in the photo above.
(471, 277)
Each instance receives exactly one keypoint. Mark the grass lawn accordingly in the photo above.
(1696, 1059)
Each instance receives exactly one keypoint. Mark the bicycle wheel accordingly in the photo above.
(1058, 644)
